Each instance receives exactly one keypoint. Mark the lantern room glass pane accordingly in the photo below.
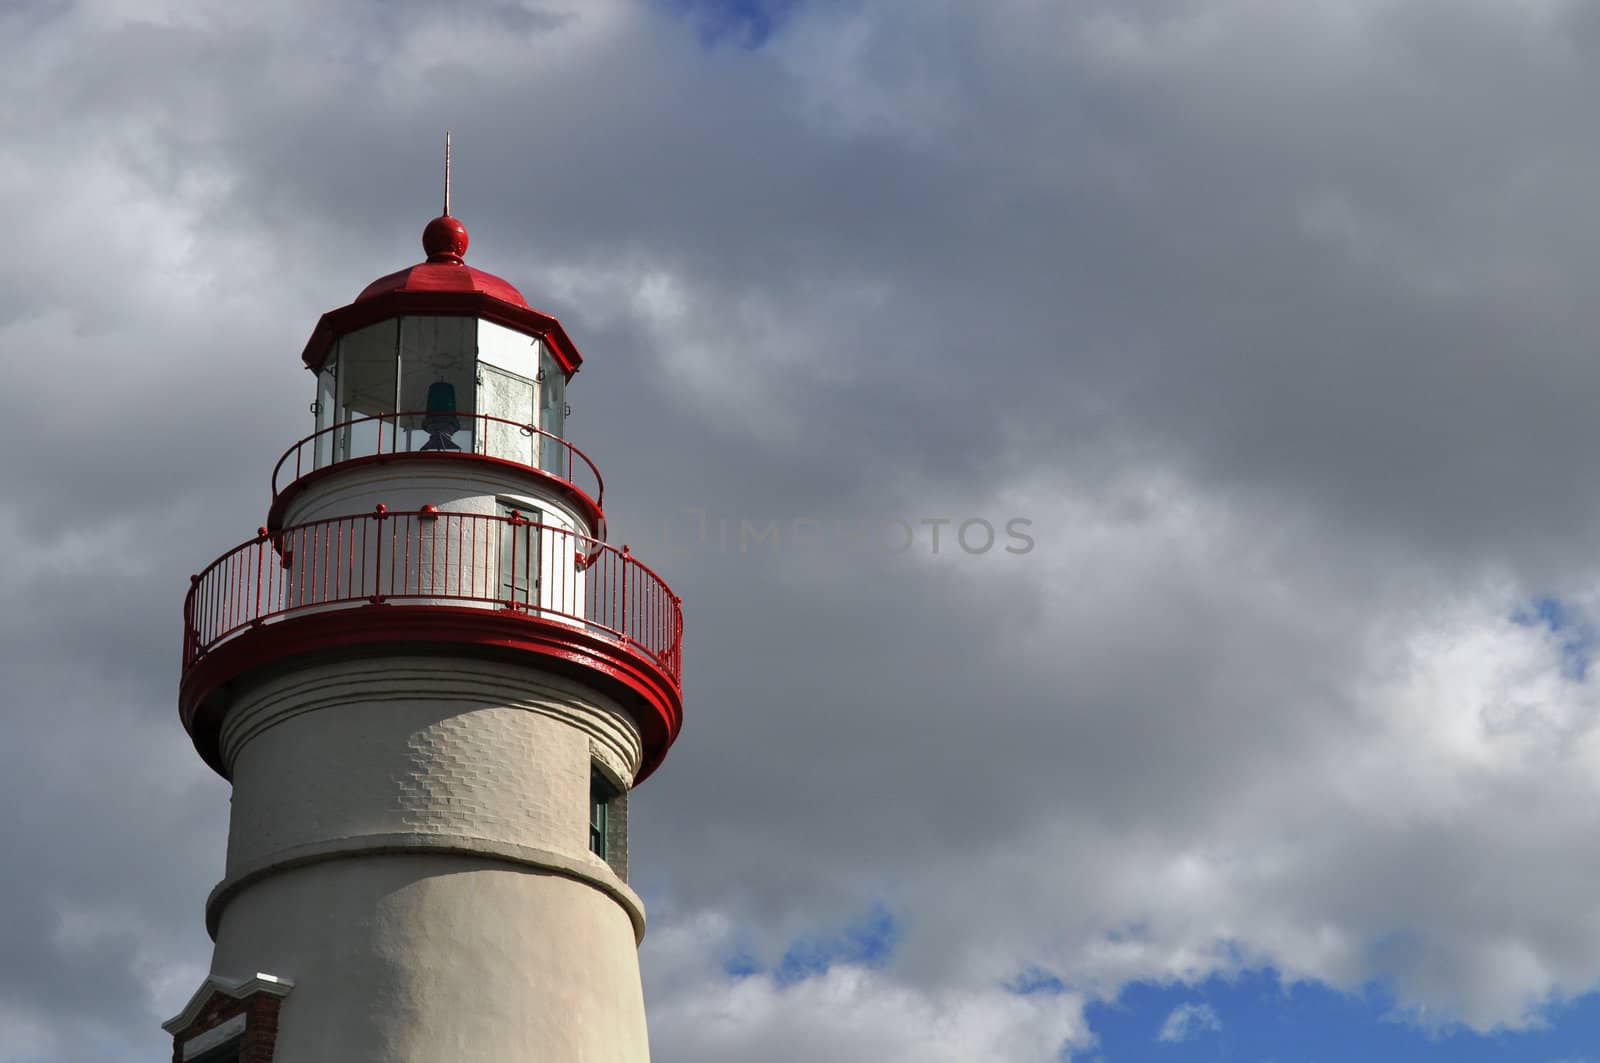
(507, 364)
(508, 397)
(367, 379)
(327, 395)
(438, 359)
(552, 413)
(515, 352)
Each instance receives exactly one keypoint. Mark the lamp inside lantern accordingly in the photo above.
(440, 420)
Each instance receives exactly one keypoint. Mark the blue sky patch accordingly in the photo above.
(742, 964)
(742, 23)
(1577, 634)
(868, 942)
(1036, 982)
(1255, 1017)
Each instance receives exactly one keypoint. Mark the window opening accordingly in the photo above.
(601, 793)
(519, 553)
(224, 1053)
(608, 820)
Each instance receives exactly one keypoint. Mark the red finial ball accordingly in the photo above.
(445, 239)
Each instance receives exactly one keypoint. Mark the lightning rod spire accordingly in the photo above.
(447, 173)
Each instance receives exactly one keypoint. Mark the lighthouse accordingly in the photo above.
(432, 684)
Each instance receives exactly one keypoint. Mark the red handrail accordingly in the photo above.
(429, 556)
(305, 460)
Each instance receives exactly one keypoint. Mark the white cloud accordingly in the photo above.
(1188, 1021)
(848, 1011)
(736, 358)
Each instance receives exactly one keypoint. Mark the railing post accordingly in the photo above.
(191, 634)
(508, 580)
(377, 570)
(627, 559)
(261, 555)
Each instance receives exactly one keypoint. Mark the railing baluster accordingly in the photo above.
(399, 540)
(377, 582)
(227, 603)
(408, 579)
(436, 564)
(623, 626)
(274, 601)
(240, 574)
(358, 575)
(260, 561)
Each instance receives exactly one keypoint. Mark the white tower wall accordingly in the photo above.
(406, 959)
(459, 486)
(409, 837)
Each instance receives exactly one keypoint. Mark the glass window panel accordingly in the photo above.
(515, 352)
(552, 414)
(438, 362)
(327, 395)
(504, 395)
(227, 1053)
(599, 801)
(366, 387)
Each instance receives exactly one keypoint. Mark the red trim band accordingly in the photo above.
(631, 676)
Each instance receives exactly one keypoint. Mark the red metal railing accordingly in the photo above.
(429, 557)
(404, 433)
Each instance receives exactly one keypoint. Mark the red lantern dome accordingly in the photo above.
(442, 285)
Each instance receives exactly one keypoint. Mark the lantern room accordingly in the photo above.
(445, 383)
(441, 358)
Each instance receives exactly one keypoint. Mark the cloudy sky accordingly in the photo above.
(1270, 326)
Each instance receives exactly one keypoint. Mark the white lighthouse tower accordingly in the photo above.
(432, 684)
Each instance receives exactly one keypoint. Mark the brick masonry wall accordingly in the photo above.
(260, 1036)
